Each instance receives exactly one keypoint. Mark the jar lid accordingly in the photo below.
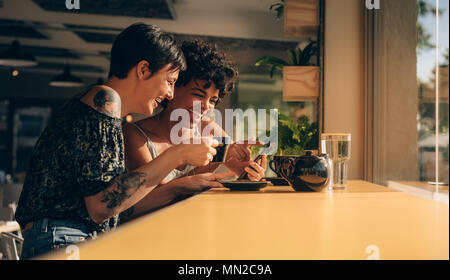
(336, 136)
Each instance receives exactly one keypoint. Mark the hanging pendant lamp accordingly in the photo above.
(66, 79)
(15, 58)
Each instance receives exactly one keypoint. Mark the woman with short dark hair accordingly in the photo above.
(77, 183)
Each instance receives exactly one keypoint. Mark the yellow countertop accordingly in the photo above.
(365, 221)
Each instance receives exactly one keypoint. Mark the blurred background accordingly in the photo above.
(78, 43)
(391, 114)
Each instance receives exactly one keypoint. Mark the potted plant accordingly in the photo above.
(300, 77)
(294, 136)
(301, 17)
(279, 8)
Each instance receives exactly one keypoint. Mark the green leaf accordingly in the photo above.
(293, 127)
(292, 57)
(295, 150)
(280, 12)
(274, 6)
(294, 137)
(308, 52)
(272, 71)
(282, 116)
(279, 8)
(270, 60)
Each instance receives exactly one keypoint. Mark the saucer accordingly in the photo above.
(244, 185)
(277, 181)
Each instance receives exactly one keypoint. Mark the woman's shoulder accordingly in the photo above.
(136, 143)
(149, 126)
(148, 123)
(104, 100)
(132, 134)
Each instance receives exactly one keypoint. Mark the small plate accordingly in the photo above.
(244, 185)
(277, 181)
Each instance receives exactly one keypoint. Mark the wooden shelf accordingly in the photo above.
(300, 83)
(301, 18)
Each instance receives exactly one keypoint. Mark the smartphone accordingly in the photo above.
(222, 149)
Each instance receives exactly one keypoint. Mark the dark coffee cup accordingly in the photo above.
(222, 149)
(275, 164)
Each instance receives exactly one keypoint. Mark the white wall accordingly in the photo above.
(344, 76)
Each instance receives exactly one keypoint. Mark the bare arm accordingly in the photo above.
(238, 159)
(128, 189)
(167, 193)
(137, 153)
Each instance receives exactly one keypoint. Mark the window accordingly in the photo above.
(402, 95)
(426, 75)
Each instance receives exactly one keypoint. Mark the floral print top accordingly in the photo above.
(78, 155)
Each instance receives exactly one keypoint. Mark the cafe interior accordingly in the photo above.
(361, 90)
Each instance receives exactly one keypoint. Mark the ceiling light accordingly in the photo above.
(14, 72)
(15, 58)
(66, 79)
(129, 118)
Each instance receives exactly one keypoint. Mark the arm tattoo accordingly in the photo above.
(108, 102)
(126, 186)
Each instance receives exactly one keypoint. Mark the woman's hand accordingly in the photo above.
(242, 151)
(238, 161)
(256, 170)
(197, 154)
(195, 183)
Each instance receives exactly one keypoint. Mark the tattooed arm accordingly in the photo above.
(167, 193)
(130, 188)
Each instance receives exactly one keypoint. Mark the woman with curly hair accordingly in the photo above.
(210, 75)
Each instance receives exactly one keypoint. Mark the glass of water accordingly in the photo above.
(337, 147)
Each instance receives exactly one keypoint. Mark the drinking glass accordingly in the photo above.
(337, 146)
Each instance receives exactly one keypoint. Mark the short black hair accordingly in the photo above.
(206, 62)
(144, 42)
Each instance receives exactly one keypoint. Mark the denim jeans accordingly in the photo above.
(47, 235)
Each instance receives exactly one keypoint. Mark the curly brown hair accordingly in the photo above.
(207, 63)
